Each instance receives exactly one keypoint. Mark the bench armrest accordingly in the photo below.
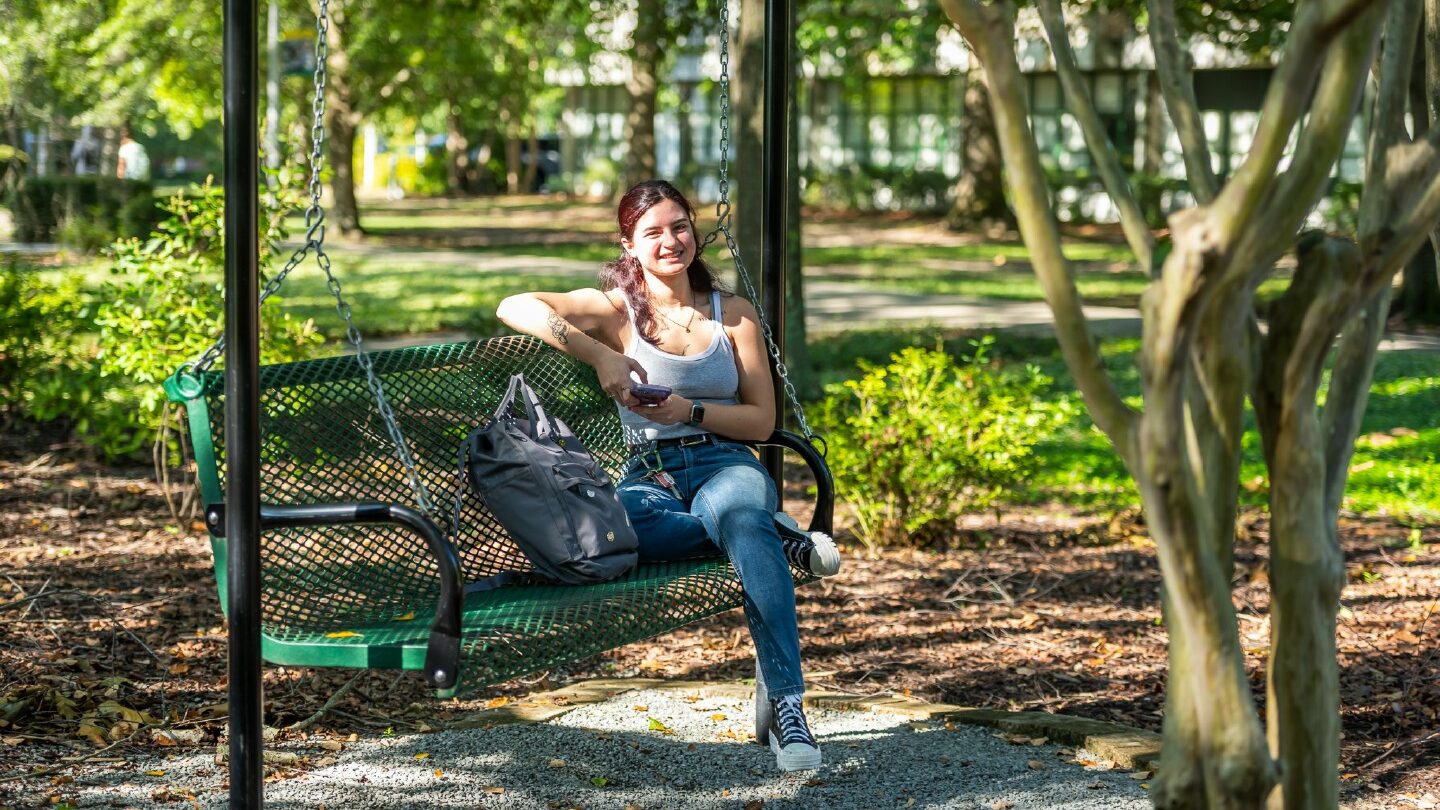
(442, 657)
(824, 519)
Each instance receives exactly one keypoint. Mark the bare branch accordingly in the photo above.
(1178, 89)
(1299, 188)
(1387, 123)
(1077, 98)
(1316, 25)
(1349, 390)
(1432, 61)
(1303, 324)
(989, 30)
(1414, 168)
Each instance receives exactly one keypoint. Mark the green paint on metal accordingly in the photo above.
(363, 596)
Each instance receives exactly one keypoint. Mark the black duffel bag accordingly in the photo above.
(553, 498)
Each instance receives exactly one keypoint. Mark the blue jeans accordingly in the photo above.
(727, 502)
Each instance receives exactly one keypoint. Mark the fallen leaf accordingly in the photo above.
(408, 617)
(154, 773)
(495, 703)
(439, 773)
(599, 781)
(493, 790)
(423, 755)
(717, 717)
(1035, 765)
(1138, 775)
(1002, 804)
(332, 745)
(557, 763)
(343, 634)
(656, 725)
(641, 708)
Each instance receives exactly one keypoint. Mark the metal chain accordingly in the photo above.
(315, 242)
(722, 226)
(314, 213)
(372, 381)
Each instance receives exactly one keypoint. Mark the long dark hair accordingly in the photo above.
(624, 272)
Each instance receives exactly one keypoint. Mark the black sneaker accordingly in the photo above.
(790, 737)
(814, 552)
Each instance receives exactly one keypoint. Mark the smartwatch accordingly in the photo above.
(697, 413)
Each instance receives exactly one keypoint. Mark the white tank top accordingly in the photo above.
(711, 376)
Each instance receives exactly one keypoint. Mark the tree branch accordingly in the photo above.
(1349, 390)
(1432, 61)
(1299, 188)
(1316, 25)
(989, 30)
(1178, 88)
(1077, 98)
(1387, 122)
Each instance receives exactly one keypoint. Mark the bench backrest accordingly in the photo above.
(323, 441)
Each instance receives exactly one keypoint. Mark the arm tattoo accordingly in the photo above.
(558, 327)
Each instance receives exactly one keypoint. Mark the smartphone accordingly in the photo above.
(650, 394)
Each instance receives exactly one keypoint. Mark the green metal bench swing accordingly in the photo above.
(351, 576)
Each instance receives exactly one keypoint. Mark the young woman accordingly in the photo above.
(691, 488)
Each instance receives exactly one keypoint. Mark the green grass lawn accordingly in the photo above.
(416, 291)
(1395, 470)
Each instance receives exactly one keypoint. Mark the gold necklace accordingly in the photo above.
(686, 325)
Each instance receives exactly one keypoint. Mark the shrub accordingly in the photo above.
(915, 443)
(44, 364)
(164, 307)
(83, 212)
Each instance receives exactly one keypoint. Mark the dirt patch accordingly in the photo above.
(112, 641)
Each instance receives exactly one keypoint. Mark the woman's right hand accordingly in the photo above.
(614, 371)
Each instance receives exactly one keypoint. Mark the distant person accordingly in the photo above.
(85, 154)
(133, 163)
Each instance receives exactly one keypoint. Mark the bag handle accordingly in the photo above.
(541, 425)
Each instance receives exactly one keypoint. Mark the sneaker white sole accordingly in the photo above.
(796, 756)
(825, 557)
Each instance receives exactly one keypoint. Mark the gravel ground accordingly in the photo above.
(649, 749)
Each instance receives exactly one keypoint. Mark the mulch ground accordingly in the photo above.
(112, 642)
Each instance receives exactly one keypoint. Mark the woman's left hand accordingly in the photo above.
(672, 411)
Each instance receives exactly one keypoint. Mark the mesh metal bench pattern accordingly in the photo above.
(362, 595)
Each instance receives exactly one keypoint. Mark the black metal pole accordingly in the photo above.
(775, 164)
(242, 406)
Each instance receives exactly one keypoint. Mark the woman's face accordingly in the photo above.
(664, 240)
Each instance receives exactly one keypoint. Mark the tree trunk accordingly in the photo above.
(979, 193)
(457, 151)
(342, 128)
(512, 164)
(342, 122)
(746, 127)
(642, 86)
(533, 167)
(1419, 299)
(1306, 564)
(797, 355)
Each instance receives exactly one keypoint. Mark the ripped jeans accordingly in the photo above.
(727, 502)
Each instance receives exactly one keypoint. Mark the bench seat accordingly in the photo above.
(351, 577)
